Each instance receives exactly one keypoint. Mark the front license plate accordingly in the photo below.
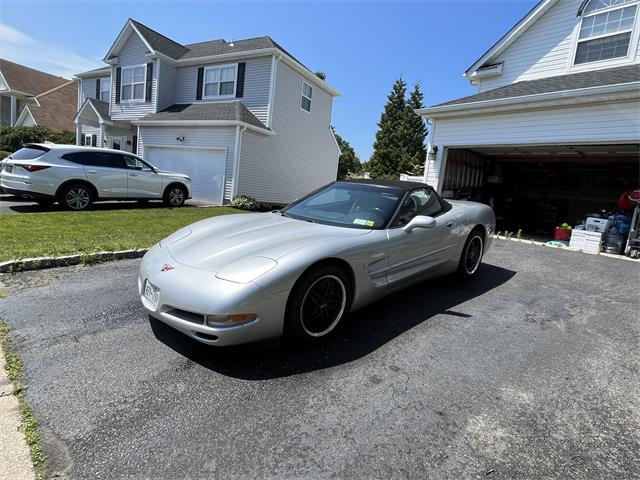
(151, 293)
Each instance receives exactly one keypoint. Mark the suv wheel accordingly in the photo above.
(76, 197)
(175, 196)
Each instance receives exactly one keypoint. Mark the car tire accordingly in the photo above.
(175, 196)
(76, 197)
(317, 304)
(472, 253)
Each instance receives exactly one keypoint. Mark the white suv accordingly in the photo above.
(78, 176)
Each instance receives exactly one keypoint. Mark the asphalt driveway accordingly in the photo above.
(531, 370)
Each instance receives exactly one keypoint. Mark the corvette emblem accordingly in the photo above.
(166, 267)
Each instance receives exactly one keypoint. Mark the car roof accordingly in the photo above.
(79, 148)
(401, 184)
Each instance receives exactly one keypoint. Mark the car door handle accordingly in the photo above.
(133, 174)
(92, 171)
(449, 225)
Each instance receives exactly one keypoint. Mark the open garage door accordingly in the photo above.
(205, 167)
(536, 188)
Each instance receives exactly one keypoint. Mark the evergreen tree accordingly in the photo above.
(417, 133)
(348, 163)
(389, 151)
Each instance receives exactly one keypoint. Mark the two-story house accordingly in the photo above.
(239, 117)
(30, 97)
(553, 131)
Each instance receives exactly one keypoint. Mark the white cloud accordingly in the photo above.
(20, 48)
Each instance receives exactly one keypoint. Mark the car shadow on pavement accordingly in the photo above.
(364, 331)
(35, 208)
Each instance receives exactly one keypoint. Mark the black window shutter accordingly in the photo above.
(94, 140)
(82, 139)
(118, 82)
(199, 84)
(98, 88)
(149, 82)
(240, 80)
(134, 145)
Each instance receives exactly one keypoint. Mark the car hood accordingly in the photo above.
(216, 243)
(168, 173)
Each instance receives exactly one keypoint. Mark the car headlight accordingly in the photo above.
(247, 269)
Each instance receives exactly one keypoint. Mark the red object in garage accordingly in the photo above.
(629, 200)
(561, 233)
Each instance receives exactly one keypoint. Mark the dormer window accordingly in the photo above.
(606, 30)
(133, 80)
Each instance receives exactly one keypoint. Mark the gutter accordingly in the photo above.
(579, 96)
(201, 123)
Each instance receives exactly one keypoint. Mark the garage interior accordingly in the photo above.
(537, 188)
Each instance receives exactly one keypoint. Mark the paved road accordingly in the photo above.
(529, 371)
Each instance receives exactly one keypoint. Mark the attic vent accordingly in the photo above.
(231, 43)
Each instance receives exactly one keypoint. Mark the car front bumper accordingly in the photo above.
(188, 295)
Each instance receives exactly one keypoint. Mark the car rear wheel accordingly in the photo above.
(471, 254)
(77, 197)
(318, 302)
(175, 196)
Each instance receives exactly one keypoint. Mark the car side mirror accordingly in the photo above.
(420, 221)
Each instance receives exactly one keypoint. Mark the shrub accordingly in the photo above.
(244, 202)
(12, 139)
(4, 154)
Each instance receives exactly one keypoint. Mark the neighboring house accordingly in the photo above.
(30, 97)
(554, 130)
(240, 117)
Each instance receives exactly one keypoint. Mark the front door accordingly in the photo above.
(116, 143)
(422, 252)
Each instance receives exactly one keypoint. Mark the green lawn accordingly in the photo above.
(62, 233)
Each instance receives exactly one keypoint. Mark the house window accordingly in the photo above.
(133, 80)
(305, 102)
(105, 89)
(605, 30)
(219, 82)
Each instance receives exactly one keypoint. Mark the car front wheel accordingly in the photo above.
(471, 254)
(76, 197)
(175, 196)
(317, 304)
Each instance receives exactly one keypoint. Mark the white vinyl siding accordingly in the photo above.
(216, 137)
(256, 85)
(602, 123)
(133, 52)
(546, 49)
(300, 157)
(166, 85)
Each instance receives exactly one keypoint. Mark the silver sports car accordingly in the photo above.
(298, 271)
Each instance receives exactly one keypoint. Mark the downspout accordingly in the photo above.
(236, 163)
(272, 92)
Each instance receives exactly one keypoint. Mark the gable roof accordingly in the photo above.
(55, 108)
(232, 111)
(512, 35)
(573, 81)
(162, 45)
(28, 80)
(100, 108)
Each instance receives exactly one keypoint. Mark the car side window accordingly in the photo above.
(134, 163)
(422, 201)
(81, 158)
(109, 160)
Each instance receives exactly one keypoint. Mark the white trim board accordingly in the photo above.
(200, 123)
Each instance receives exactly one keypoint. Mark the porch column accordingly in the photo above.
(101, 137)
(14, 108)
(78, 134)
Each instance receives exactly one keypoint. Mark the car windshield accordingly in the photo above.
(349, 205)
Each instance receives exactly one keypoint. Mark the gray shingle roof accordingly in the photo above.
(161, 43)
(101, 107)
(595, 78)
(233, 111)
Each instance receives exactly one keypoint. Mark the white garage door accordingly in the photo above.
(205, 168)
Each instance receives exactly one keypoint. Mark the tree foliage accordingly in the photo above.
(12, 139)
(399, 146)
(321, 75)
(348, 163)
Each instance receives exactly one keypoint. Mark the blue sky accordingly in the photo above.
(362, 46)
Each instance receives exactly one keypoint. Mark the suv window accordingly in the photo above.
(29, 153)
(96, 159)
(136, 164)
(422, 201)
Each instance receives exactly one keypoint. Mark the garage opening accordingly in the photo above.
(537, 188)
